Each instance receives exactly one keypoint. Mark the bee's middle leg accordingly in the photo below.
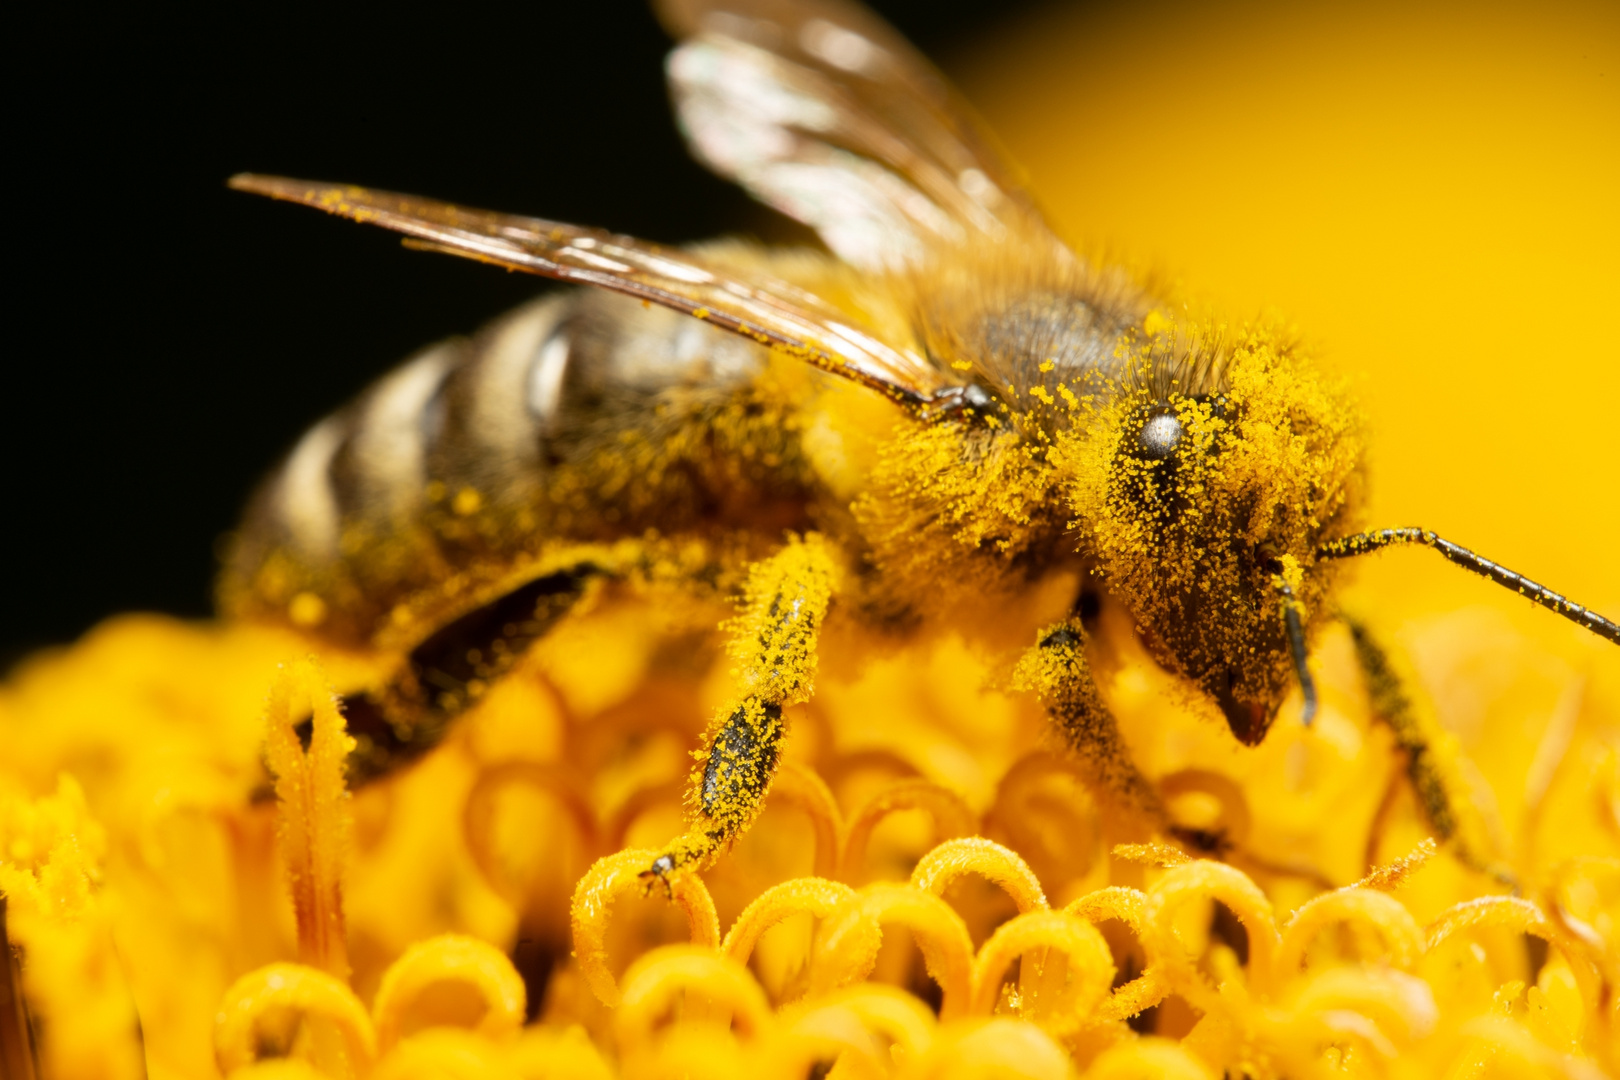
(773, 640)
(1057, 671)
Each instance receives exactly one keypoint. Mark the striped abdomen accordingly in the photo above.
(579, 417)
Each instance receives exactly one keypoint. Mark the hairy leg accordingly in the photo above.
(1056, 670)
(1433, 759)
(450, 669)
(773, 639)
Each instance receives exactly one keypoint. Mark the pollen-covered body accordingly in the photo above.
(581, 418)
(944, 409)
(588, 435)
(586, 418)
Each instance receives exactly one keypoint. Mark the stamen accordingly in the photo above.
(1362, 543)
(1296, 645)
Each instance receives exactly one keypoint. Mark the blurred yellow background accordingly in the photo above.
(1431, 193)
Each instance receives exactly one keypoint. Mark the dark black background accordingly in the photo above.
(168, 338)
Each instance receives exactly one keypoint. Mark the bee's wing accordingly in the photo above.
(824, 112)
(771, 312)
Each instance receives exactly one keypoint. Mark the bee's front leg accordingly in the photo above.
(773, 640)
(1434, 761)
(1057, 672)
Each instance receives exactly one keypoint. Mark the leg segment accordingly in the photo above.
(1056, 670)
(773, 640)
(1432, 755)
(449, 670)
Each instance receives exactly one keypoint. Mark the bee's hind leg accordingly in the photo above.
(1433, 759)
(450, 669)
(773, 640)
(1057, 671)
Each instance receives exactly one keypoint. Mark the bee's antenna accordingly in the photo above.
(1296, 645)
(1362, 543)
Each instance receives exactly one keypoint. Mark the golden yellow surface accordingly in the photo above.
(1429, 197)
(918, 819)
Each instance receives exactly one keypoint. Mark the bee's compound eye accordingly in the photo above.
(1159, 436)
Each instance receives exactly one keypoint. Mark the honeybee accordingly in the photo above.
(949, 404)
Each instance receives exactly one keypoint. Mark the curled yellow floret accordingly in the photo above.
(266, 1011)
(609, 880)
(1383, 929)
(801, 896)
(846, 950)
(707, 987)
(196, 889)
(1052, 944)
(454, 975)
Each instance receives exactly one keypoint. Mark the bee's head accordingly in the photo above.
(1205, 504)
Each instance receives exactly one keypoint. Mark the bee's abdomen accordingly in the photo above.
(343, 526)
(576, 417)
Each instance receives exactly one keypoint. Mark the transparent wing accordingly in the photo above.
(824, 112)
(771, 312)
